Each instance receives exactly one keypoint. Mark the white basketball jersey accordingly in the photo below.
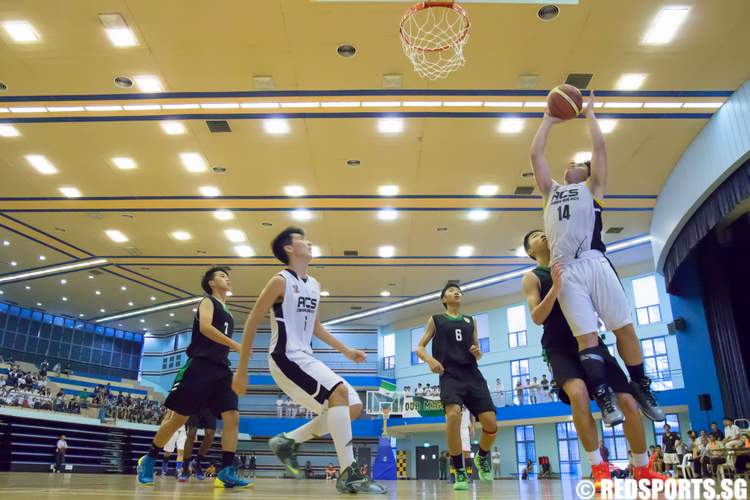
(569, 220)
(293, 319)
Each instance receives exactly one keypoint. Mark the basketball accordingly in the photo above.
(564, 102)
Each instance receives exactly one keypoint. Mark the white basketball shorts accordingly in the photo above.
(177, 440)
(465, 439)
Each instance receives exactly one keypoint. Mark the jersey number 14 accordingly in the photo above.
(563, 212)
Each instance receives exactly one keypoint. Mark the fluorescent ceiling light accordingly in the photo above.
(116, 236)
(21, 31)
(235, 235)
(124, 162)
(104, 108)
(41, 164)
(607, 125)
(381, 104)
(630, 81)
(244, 250)
(42, 257)
(667, 105)
(28, 109)
(148, 83)
(7, 130)
(387, 251)
(478, 214)
(582, 156)
(340, 104)
(51, 270)
(703, 105)
(423, 104)
(665, 25)
(180, 106)
(521, 252)
(462, 104)
(194, 162)
(142, 107)
(385, 293)
(122, 37)
(325, 293)
(535, 104)
(315, 251)
(276, 126)
(259, 105)
(64, 109)
(503, 104)
(223, 214)
(173, 128)
(487, 190)
(465, 251)
(390, 125)
(70, 192)
(209, 191)
(387, 214)
(633, 105)
(220, 105)
(300, 104)
(147, 310)
(301, 214)
(510, 125)
(294, 191)
(181, 235)
(388, 190)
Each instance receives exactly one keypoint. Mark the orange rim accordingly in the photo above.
(428, 5)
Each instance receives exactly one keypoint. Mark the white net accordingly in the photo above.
(433, 35)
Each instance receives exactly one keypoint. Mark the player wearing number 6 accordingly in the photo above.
(573, 225)
(455, 352)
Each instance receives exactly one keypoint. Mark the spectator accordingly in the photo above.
(287, 407)
(603, 451)
(419, 391)
(732, 434)
(43, 368)
(716, 432)
(279, 406)
(496, 462)
(680, 448)
(62, 447)
(252, 465)
(553, 390)
(308, 470)
(527, 390)
(56, 369)
(365, 470)
(519, 392)
(670, 453)
(544, 384)
(443, 466)
(499, 392)
(740, 464)
(534, 391)
(330, 472)
(711, 457)
(529, 469)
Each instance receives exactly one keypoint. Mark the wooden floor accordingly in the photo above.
(33, 486)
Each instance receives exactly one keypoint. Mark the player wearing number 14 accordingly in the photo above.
(455, 351)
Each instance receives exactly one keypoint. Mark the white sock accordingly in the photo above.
(340, 427)
(595, 458)
(640, 459)
(316, 427)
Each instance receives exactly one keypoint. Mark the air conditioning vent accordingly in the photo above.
(351, 253)
(523, 190)
(218, 126)
(614, 230)
(579, 80)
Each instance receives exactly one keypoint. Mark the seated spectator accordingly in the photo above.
(330, 472)
(56, 369)
(732, 437)
(308, 470)
(710, 459)
(741, 462)
(716, 431)
(529, 469)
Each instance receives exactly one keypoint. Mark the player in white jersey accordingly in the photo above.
(293, 297)
(591, 287)
(177, 441)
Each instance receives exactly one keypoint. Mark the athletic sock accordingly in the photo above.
(636, 372)
(595, 457)
(592, 360)
(340, 427)
(457, 461)
(178, 466)
(482, 452)
(155, 451)
(316, 427)
(227, 459)
(640, 459)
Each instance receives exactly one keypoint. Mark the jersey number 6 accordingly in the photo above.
(459, 335)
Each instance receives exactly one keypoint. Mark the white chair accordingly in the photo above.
(686, 467)
(728, 465)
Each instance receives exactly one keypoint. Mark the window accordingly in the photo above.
(614, 440)
(525, 447)
(389, 351)
(416, 336)
(516, 326)
(656, 362)
(646, 300)
(674, 424)
(483, 331)
(519, 371)
(567, 445)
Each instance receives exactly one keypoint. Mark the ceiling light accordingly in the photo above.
(195, 310)
(180, 106)
(535, 104)
(423, 104)
(181, 235)
(98, 292)
(50, 270)
(108, 107)
(116, 236)
(70, 192)
(478, 214)
(340, 104)
(220, 105)
(381, 104)
(171, 315)
(276, 126)
(259, 105)
(387, 214)
(229, 294)
(28, 109)
(487, 190)
(632, 105)
(325, 293)
(300, 104)
(390, 125)
(6, 243)
(123, 288)
(65, 299)
(166, 324)
(462, 104)
(465, 251)
(582, 156)
(301, 214)
(62, 282)
(124, 163)
(193, 162)
(39, 304)
(387, 251)
(2, 293)
(7, 130)
(91, 277)
(665, 105)
(607, 125)
(209, 191)
(315, 251)
(388, 190)
(13, 263)
(630, 81)
(130, 304)
(244, 250)
(41, 164)
(224, 214)
(235, 235)
(21, 31)
(702, 105)
(42, 257)
(173, 128)
(27, 287)
(148, 83)
(294, 191)
(521, 252)
(117, 30)
(65, 109)
(510, 125)
(665, 25)
(152, 298)
(503, 104)
(143, 320)
(80, 315)
(385, 293)
(102, 310)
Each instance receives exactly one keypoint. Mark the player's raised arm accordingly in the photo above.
(598, 179)
(429, 332)
(272, 292)
(539, 163)
(541, 308)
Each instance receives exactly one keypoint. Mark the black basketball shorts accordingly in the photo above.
(202, 384)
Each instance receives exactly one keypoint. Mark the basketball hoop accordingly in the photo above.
(433, 35)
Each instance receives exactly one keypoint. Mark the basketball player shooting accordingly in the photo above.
(293, 297)
(591, 287)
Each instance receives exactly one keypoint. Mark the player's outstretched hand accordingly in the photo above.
(476, 352)
(590, 104)
(552, 119)
(239, 384)
(436, 367)
(558, 268)
(355, 355)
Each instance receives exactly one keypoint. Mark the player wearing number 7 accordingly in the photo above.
(455, 351)
(573, 225)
